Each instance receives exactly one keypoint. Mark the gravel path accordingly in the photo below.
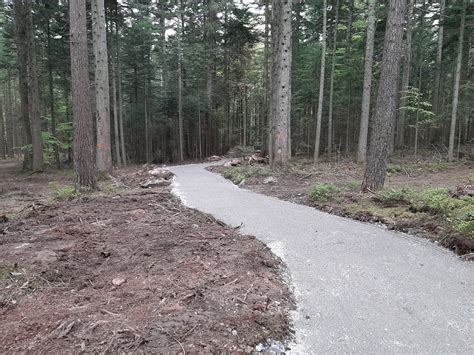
(360, 288)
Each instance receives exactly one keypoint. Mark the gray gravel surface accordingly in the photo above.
(359, 288)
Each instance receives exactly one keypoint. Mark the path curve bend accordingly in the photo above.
(359, 288)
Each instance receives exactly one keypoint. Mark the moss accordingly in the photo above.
(323, 192)
(397, 196)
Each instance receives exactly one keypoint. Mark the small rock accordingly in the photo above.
(118, 281)
(234, 332)
(269, 180)
(155, 183)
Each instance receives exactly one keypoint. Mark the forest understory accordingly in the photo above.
(427, 197)
(129, 269)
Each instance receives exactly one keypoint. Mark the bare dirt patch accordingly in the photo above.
(135, 270)
(296, 183)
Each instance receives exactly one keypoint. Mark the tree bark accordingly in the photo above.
(331, 80)
(369, 60)
(84, 159)
(385, 108)
(99, 41)
(457, 77)
(281, 79)
(319, 114)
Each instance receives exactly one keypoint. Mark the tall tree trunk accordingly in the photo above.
(267, 132)
(331, 80)
(319, 114)
(51, 95)
(99, 41)
(24, 8)
(118, 158)
(84, 159)
(457, 77)
(386, 105)
(405, 76)
(369, 60)
(349, 78)
(439, 57)
(281, 79)
(2, 133)
(120, 97)
(20, 38)
(180, 88)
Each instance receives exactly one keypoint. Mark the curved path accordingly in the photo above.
(359, 288)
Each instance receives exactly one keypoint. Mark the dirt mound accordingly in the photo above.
(135, 271)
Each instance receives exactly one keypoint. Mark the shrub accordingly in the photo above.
(323, 192)
(394, 168)
(234, 174)
(464, 221)
(398, 196)
(437, 201)
(65, 193)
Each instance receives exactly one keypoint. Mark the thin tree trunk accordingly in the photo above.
(51, 95)
(99, 36)
(2, 133)
(147, 123)
(22, 82)
(84, 159)
(180, 90)
(369, 59)
(405, 76)
(267, 132)
(386, 105)
(118, 158)
(319, 114)
(32, 85)
(349, 78)
(331, 80)
(439, 57)
(457, 77)
(120, 98)
(281, 80)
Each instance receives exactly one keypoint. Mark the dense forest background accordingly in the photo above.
(190, 79)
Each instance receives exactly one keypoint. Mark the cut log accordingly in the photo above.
(214, 158)
(155, 183)
(161, 173)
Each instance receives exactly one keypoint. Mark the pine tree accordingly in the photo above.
(386, 105)
(84, 157)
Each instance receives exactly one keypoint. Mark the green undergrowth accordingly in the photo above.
(65, 193)
(323, 192)
(404, 205)
(237, 174)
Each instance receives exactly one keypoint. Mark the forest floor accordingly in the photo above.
(426, 197)
(129, 269)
